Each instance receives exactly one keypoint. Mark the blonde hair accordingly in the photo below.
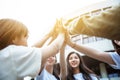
(9, 30)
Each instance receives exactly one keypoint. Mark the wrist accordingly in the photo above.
(46, 36)
(73, 45)
(62, 34)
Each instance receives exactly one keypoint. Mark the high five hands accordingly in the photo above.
(57, 29)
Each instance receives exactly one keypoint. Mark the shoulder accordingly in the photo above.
(45, 75)
(22, 50)
(116, 59)
(114, 55)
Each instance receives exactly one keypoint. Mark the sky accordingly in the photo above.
(39, 15)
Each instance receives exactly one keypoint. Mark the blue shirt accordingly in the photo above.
(79, 76)
(45, 75)
(116, 59)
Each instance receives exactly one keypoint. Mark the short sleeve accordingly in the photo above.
(116, 59)
(27, 60)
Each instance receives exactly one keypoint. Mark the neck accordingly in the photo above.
(76, 70)
(49, 68)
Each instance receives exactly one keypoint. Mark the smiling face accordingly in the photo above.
(74, 60)
(51, 60)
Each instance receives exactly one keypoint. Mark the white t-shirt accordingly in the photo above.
(116, 59)
(79, 76)
(16, 62)
(45, 75)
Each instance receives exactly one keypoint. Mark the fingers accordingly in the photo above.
(59, 28)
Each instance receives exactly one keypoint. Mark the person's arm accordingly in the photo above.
(63, 66)
(93, 53)
(53, 48)
(56, 44)
(42, 41)
(51, 34)
(106, 24)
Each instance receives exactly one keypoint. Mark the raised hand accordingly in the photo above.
(58, 28)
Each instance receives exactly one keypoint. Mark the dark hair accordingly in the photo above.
(83, 68)
(56, 70)
(116, 47)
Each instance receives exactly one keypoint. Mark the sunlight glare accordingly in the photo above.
(39, 15)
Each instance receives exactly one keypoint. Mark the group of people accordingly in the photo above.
(17, 60)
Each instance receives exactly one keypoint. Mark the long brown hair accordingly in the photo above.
(56, 70)
(9, 30)
(116, 47)
(82, 67)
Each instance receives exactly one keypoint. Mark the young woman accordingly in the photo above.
(16, 57)
(76, 68)
(48, 72)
